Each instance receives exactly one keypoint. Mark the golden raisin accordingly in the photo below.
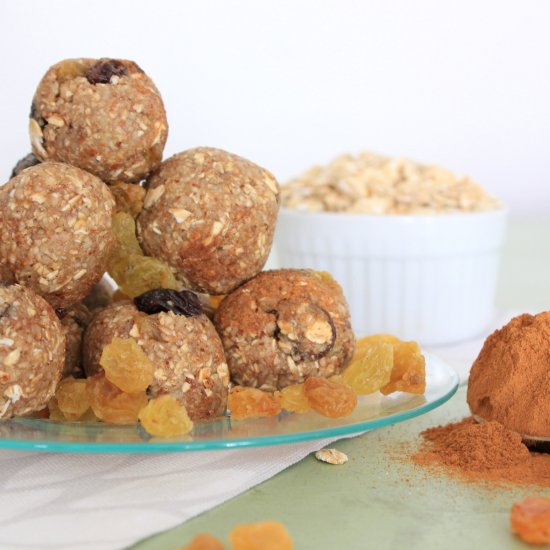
(204, 541)
(165, 417)
(530, 520)
(124, 228)
(370, 368)
(54, 410)
(126, 365)
(128, 197)
(251, 403)
(136, 274)
(111, 404)
(266, 535)
(293, 399)
(215, 301)
(330, 398)
(71, 397)
(409, 370)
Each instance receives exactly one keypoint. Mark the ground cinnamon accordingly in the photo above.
(510, 380)
(483, 452)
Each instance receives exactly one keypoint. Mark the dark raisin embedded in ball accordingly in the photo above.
(25, 162)
(102, 71)
(34, 114)
(304, 330)
(183, 302)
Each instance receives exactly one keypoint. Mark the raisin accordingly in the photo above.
(304, 330)
(409, 370)
(111, 404)
(251, 403)
(71, 397)
(330, 398)
(164, 416)
(124, 228)
(128, 197)
(266, 535)
(54, 410)
(133, 272)
(126, 365)
(183, 302)
(25, 162)
(102, 71)
(34, 114)
(530, 520)
(370, 369)
(293, 399)
(204, 541)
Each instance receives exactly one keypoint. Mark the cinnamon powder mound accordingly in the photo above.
(510, 379)
(483, 452)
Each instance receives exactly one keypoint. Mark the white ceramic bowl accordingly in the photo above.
(426, 278)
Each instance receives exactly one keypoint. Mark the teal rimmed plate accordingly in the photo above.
(372, 411)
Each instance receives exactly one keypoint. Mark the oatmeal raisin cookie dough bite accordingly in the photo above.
(32, 351)
(105, 116)
(55, 231)
(182, 344)
(283, 327)
(210, 215)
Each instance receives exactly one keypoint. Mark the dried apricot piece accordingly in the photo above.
(293, 399)
(370, 369)
(71, 398)
(204, 541)
(111, 404)
(251, 403)
(265, 535)
(330, 398)
(126, 365)
(409, 370)
(166, 417)
(530, 520)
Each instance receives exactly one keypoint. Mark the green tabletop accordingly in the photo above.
(377, 499)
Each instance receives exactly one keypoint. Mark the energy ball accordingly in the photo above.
(55, 231)
(32, 351)
(186, 352)
(210, 215)
(74, 321)
(283, 327)
(103, 115)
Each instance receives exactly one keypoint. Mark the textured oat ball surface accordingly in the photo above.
(283, 327)
(55, 231)
(186, 352)
(32, 351)
(211, 216)
(105, 116)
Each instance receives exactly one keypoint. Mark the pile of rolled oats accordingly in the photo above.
(369, 183)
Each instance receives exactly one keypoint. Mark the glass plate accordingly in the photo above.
(372, 411)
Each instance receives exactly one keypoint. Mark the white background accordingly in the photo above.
(289, 83)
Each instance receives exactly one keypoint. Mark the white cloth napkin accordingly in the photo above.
(104, 502)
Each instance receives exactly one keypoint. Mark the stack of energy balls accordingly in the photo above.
(177, 236)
